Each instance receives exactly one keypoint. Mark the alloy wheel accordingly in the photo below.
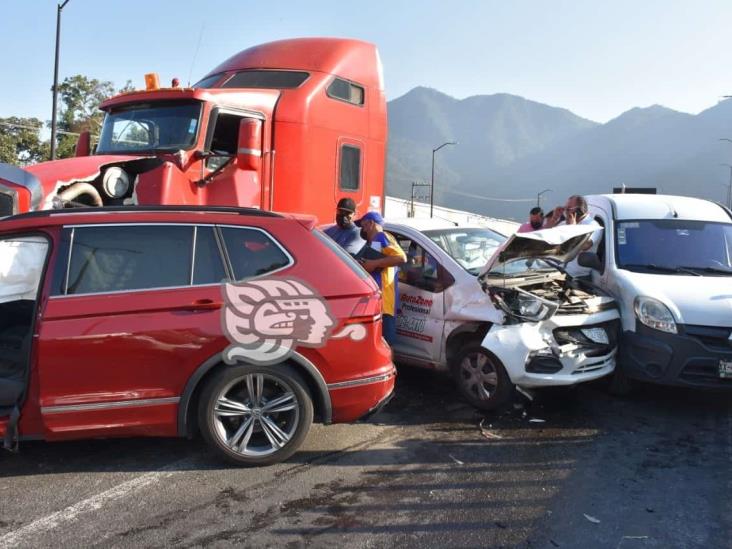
(256, 415)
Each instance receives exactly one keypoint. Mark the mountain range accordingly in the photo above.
(510, 148)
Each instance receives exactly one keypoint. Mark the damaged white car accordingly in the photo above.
(499, 312)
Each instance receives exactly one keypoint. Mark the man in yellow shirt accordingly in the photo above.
(384, 269)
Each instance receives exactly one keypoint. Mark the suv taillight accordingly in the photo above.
(368, 309)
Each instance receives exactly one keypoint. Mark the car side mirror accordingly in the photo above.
(249, 145)
(83, 144)
(589, 260)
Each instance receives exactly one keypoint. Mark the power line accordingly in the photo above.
(469, 195)
(27, 127)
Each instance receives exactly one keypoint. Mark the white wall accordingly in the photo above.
(399, 208)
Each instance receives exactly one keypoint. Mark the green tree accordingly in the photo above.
(20, 141)
(80, 100)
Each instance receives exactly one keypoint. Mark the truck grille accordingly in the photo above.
(7, 207)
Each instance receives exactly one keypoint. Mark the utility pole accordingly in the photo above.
(415, 184)
(432, 184)
(59, 7)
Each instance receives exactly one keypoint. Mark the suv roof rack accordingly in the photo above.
(148, 208)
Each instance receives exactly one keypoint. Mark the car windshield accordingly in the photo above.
(150, 127)
(675, 246)
(471, 248)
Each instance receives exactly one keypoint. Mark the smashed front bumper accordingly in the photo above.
(563, 350)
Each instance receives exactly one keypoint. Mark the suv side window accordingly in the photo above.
(135, 257)
(208, 266)
(252, 252)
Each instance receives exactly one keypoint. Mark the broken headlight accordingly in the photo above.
(522, 305)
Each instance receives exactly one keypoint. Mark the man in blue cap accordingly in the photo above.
(383, 269)
(344, 232)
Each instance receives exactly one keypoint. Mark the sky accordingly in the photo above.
(595, 58)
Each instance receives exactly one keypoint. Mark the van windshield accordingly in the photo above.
(675, 246)
(158, 126)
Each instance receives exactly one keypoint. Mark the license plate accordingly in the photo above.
(725, 369)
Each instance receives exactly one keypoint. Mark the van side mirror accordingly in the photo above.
(83, 144)
(589, 260)
(249, 145)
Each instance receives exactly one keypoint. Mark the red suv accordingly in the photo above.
(117, 322)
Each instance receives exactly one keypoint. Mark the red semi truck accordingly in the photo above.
(290, 126)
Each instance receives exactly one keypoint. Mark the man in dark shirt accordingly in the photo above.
(345, 232)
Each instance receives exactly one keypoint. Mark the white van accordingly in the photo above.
(667, 260)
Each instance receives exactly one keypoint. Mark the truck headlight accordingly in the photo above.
(115, 182)
(654, 314)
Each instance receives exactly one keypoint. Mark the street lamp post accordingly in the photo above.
(729, 186)
(55, 79)
(538, 196)
(432, 183)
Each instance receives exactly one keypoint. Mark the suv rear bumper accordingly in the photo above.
(687, 359)
(359, 397)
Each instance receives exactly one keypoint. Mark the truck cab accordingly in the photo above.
(293, 126)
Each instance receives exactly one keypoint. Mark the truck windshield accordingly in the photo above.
(471, 248)
(675, 246)
(150, 127)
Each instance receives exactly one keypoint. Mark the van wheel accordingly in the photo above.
(255, 415)
(481, 378)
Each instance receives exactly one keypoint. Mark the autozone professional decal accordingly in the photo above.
(414, 335)
(416, 304)
(411, 324)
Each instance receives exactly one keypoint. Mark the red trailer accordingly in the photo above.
(291, 126)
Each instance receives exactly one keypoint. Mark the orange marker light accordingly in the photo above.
(152, 82)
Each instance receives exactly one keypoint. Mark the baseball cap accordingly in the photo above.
(370, 216)
(346, 204)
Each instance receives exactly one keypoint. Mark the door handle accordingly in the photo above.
(204, 305)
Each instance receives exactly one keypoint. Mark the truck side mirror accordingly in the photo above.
(83, 144)
(589, 260)
(249, 144)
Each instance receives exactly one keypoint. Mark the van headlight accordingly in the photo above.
(654, 314)
(522, 305)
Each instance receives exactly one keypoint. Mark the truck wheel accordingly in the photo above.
(255, 415)
(481, 378)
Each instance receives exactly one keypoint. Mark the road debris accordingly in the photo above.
(537, 420)
(591, 519)
(456, 460)
(486, 433)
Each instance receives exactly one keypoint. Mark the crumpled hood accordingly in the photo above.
(561, 244)
(82, 167)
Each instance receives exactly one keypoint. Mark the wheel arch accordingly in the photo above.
(459, 337)
(189, 399)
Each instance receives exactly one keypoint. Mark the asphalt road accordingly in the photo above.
(652, 470)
